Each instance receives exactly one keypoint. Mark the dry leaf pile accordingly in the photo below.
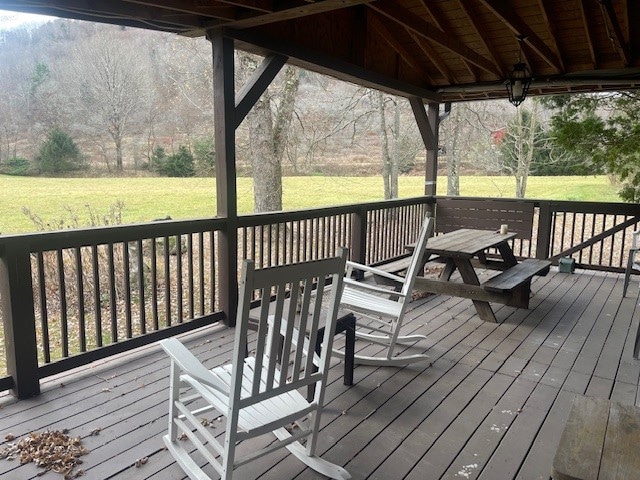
(52, 450)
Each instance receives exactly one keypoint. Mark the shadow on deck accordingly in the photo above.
(491, 404)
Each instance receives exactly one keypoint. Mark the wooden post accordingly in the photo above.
(359, 236)
(226, 186)
(16, 297)
(428, 122)
(543, 239)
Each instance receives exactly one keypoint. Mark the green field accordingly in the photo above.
(57, 200)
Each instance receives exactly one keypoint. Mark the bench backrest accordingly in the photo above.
(455, 213)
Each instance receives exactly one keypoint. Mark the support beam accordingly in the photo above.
(226, 186)
(256, 85)
(428, 122)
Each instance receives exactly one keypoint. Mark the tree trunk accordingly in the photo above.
(395, 154)
(267, 170)
(451, 145)
(386, 160)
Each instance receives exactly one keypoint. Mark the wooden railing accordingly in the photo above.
(72, 297)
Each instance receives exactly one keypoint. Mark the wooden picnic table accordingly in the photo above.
(460, 249)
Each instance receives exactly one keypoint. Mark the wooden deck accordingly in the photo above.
(491, 404)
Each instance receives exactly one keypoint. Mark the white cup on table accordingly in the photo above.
(504, 229)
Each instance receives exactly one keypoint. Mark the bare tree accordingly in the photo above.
(110, 79)
(269, 124)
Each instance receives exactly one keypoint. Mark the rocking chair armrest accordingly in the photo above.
(189, 364)
(635, 240)
(376, 271)
(371, 288)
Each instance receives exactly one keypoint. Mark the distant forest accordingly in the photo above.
(125, 96)
(81, 98)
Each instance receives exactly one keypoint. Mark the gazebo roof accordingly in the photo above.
(440, 50)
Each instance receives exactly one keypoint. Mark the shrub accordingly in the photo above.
(205, 157)
(179, 164)
(58, 154)
(17, 166)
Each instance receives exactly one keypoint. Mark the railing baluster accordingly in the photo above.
(154, 283)
(167, 282)
(126, 270)
(179, 281)
(141, 294)
(62, 292)
(212, 272)
(190, 275)
(97, 298)
(82, 334)
(201, 270)
(112, 294)
(44, 312)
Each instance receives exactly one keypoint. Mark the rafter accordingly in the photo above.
(292, 9)
(441, 22)
(553, 33)
(144, 14)
(504, 12)
(614, 31)
(466, 8)
(433, 56)
(388, 37)
(259, 5)
(217, 10)
(426, 30)
(588, 31)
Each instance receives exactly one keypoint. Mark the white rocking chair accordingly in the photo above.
(260, 394)
(632, 261)
(384, 309)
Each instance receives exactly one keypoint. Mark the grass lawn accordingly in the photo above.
(57, 200)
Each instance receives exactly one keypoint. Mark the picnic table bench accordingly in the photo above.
(463, 248)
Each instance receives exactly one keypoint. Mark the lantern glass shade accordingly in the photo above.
(518, 83)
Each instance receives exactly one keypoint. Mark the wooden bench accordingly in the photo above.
(454, 213)
(517, 275)
(600, 441)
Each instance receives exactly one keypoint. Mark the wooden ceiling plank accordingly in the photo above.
(502, 10)
(466, 8)
(388, 37)
(434, 57)
(441, 22)
(614, 31)
(553, 31)
(426, 30)
(146, 14)
(347, 71)
(588, 30)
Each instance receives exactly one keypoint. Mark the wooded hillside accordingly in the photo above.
(120, 93)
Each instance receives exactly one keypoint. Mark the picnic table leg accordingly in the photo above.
(469, 277)
(520, 296)
(507, 254)
(447, 271)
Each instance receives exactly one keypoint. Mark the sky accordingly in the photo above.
(10, 20)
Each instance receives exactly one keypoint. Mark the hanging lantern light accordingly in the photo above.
(518, 83)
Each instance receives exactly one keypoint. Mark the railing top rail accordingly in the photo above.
(46, 241)
(310, 213)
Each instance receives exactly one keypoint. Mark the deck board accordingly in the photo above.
(490, 403)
